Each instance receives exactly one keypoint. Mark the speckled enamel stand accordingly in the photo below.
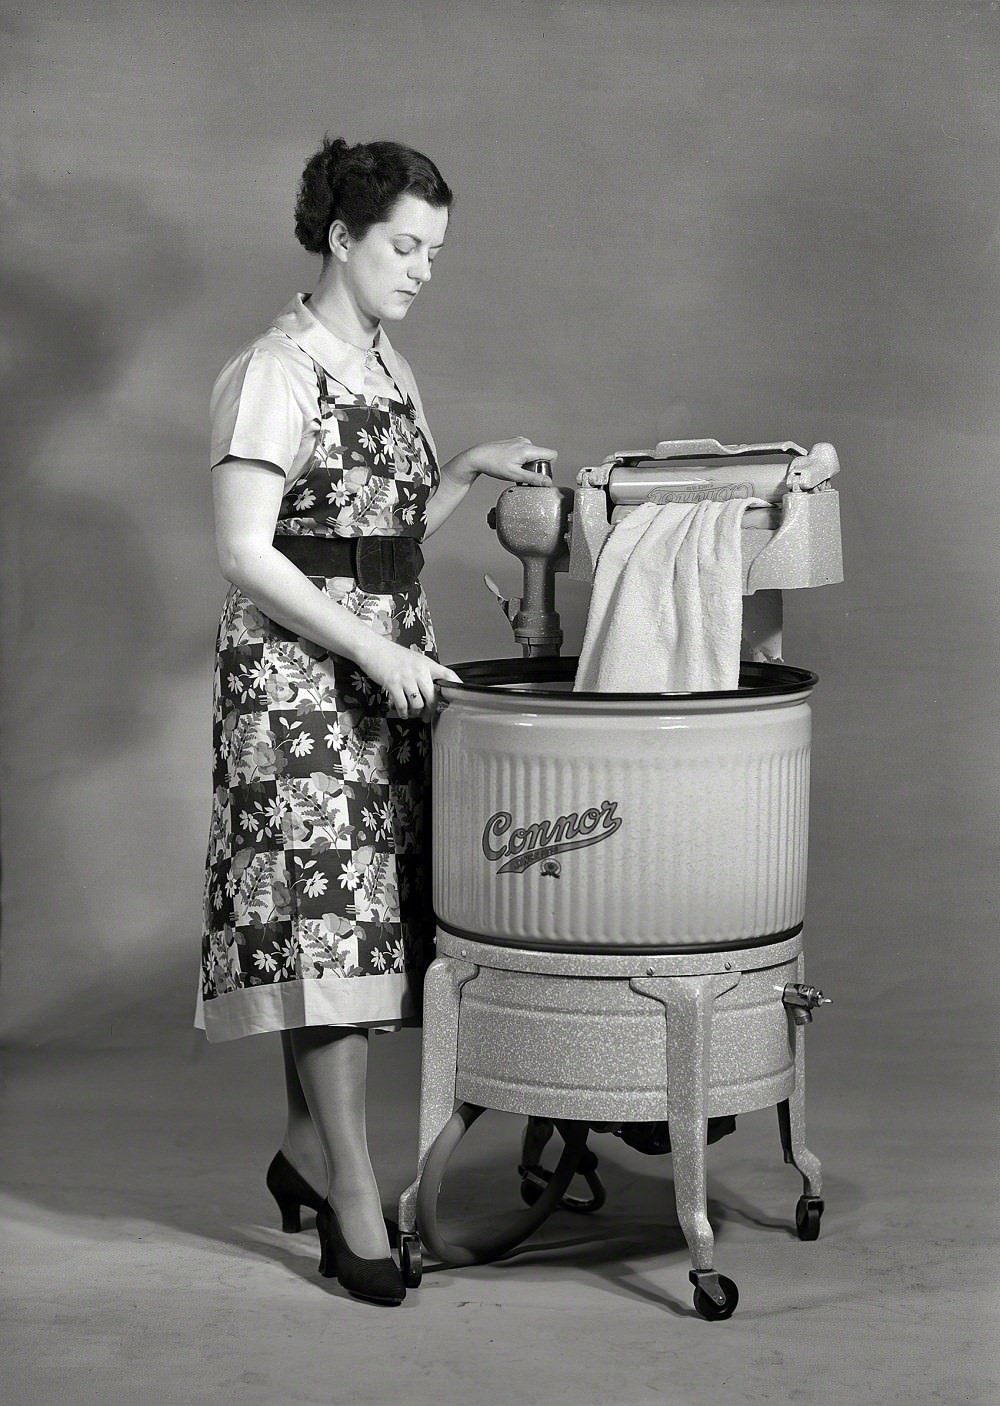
(442, 1000)
(613, 1038)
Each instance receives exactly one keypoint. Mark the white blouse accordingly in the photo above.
(265, 401)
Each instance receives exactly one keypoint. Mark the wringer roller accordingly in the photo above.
(619, 878)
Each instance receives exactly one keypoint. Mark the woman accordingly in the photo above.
(318, 917)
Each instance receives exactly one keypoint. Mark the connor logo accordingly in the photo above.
(523, 847)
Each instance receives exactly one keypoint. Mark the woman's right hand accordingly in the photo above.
(407, 676)
(506, 459)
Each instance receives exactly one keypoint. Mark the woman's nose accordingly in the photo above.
(420, 270)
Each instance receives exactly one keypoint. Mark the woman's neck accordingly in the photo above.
(334, 307)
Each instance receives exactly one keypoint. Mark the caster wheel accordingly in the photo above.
(808, 1214)
(411, 1261)
(706, 1307)
(531, 1190)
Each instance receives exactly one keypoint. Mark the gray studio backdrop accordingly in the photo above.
(743, 220)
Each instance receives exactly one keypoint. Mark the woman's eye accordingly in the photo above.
(400, 250)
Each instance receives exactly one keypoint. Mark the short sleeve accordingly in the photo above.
(255, 412)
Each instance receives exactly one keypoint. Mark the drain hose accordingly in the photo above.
(515, 1228)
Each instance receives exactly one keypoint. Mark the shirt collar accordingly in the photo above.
(339, 359)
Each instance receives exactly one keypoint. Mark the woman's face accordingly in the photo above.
(386, 268)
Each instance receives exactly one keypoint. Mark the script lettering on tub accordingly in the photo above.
(522, 847)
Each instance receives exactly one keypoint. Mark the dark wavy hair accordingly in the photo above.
(360, 185)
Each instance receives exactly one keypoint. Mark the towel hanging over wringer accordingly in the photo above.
(666, 608)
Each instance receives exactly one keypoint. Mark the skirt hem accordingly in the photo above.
(290, 1005)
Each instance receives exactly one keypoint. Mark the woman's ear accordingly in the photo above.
(339, 240)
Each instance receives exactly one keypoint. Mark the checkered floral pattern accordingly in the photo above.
(318, 859)
(372, 472)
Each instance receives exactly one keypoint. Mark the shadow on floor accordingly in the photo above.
(174, 1135)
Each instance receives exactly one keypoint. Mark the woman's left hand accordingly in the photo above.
(505, 459)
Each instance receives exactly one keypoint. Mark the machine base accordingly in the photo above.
(678, 1038)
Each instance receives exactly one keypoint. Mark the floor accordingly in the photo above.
(143, 1263)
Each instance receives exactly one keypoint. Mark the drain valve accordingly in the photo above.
(802, 1000)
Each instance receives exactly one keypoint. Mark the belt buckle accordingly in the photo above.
(383, 563)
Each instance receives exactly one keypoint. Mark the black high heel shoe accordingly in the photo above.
(291, 1191)
(379, 1281)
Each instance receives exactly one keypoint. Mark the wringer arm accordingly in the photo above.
(792, 541)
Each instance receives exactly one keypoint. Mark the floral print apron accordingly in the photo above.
(317, 892)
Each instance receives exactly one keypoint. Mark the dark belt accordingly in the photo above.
(378, 564)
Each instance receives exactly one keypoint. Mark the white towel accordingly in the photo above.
(666, 609)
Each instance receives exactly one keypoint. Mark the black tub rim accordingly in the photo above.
(496, 676)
